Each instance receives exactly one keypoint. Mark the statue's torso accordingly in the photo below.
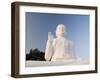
(61, 49)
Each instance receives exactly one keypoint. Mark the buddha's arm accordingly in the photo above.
(71, 49)
(49, 50)
(49, 47)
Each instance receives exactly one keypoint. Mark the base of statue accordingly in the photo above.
(31, 63)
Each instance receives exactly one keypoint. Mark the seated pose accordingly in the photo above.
(60, 48)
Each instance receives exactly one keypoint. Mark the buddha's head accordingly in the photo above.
(60, 30)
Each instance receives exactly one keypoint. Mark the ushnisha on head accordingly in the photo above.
(60, 30)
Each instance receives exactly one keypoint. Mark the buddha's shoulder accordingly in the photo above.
(68, 41)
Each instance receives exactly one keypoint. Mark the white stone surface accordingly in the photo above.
(56, 63)
(59, 48)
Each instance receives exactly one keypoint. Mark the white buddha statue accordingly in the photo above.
(59, 48)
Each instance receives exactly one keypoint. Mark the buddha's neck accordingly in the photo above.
(59, 36)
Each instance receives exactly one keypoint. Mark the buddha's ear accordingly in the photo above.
(62, 29)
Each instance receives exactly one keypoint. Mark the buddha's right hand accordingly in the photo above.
(50, 38)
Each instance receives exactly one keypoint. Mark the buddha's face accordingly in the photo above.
(60, 30)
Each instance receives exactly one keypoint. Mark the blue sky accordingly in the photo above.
(39, 24)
